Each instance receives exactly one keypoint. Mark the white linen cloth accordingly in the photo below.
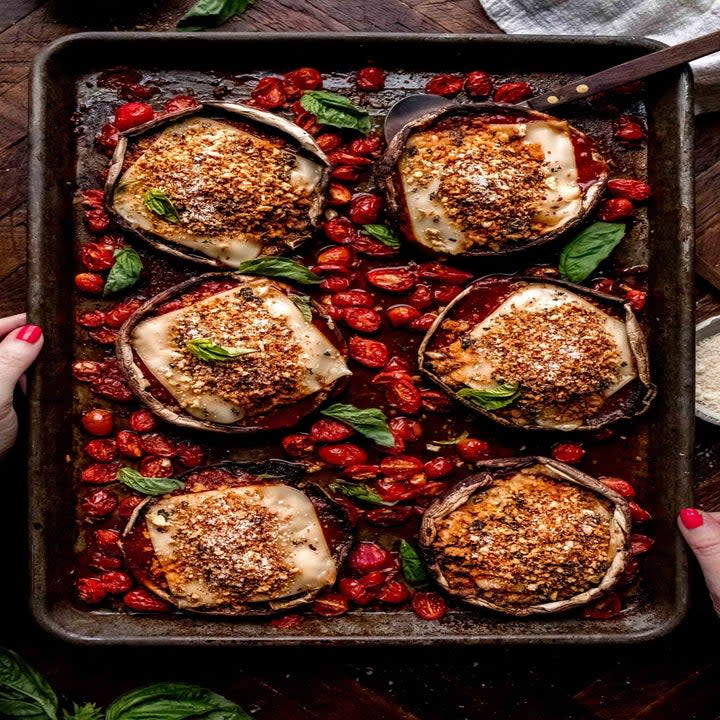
(670, 21)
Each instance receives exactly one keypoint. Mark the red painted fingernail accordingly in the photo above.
(29, 334)
(691, 518)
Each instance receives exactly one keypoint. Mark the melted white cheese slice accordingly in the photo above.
(231, 249)
(563, 196)
(151, 339)
(478, 373)
(300, 543)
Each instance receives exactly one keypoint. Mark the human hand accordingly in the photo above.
(19, 347)
(701, 530)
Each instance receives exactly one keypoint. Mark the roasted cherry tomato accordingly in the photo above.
(342, 455)
(568, 452)
(97, 421)
(98, 503)
(101, 449)
(298, 445)
(141, 600)
(439, 467)
(513, 92)
(132, 114)
(181, 102)
(398, 279)
(90, 590)
(634, 190)
(327, 430)
(478, 84)
(403, 395)
(330, 605)
(429, 605)
(362, 319)
(472, 449)
(305, 78)
(615, 209)
(365, 209)
(625, 128)
(445, 85)
(269, 93)
(90, 283)
(610, 606)
(370, 79)
(369, 556)
(371, 353)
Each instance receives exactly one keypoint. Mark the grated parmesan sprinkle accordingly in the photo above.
(707, 373)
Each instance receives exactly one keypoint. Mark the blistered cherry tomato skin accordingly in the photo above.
(118, 315)
(133, 114)
(364, 320)
(108, 137)
(299, 445)
(112, 387)
(443, 294)
(85, 370)
(472, 449)
(100, 473)
(90, 590)
(361, 471)
(142, 421)
(406, 428)
(634, 190)
(330, 431)
(90, 283)
(478, 84)
(91, 319)
(424, 322)
(401, 467)
(640, 544)
(389, 516)
(436, 272)
(439, 467)
(392, 279)
(190, 454)
(330, 605)
(328, 142)
(335, 255)
(287, 622)
(604, 285)
(100, 561)
(369, 556)
(104, 336)
(436, 401)
(340, 230)
(604, 609)
(445, 85)
(365, 209)
(628, 129)
(568, 453)
(97, 421)
(304, 78)
(157, 444)
(127, 506)
(636, 299)
(344, 158)
(102, 450)
(401, 315)
(620, 486)
(116, 582)
(269, 93)
(615, 209)
(96, 256)
(342, 455)
(393, 592)
(355, 591)
(429, 605)
(336, 283)
(108, 541)
(141, 600)
(370, 79)
(128, 444)
(153, 466)
(181, 102)
(421, 297)
(338, 195)
(353, 298)
(370, 145)
(638, 514)
(98, 503)
(404, 396)
(368, 352)
(346, 173)
(512, 92)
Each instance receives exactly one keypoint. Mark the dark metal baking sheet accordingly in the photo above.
(666, 459)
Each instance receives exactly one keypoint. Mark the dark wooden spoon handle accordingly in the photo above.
(628, 72)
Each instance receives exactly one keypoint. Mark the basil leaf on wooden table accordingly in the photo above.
(206, 349)
(304, 305)
(89, 711)
(148, 485)
(23, 693)
(370, 422)
(125, 271)
(412, 566)
(491, 398)
(156, 201)
(333, 109)
(174, 701)
(358, 491)
(279, 268)
(211, 13)
(584, 253)
(383, 234)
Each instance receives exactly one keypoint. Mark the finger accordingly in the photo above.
(10, 323)
(702, 533)
(17, 351)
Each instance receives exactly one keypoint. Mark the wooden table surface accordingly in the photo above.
(677, 677)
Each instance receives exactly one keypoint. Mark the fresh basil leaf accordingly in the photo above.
(279, 268)
(125, 271)
(206, 349)
(412, 567)
(492, 398)
(158, 202)
(211, 13)
(174, 701)
(384, 234)
(89, 711)
(23, 692)
(148, 485)
(303, 304)
(585, 252)
(333, 109)
(370, 422)
(358, 491)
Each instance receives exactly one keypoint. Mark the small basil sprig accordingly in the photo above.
(333, 109)
(24, 693)
(174, 701)
(156, 201)
(279, 268)
(492, 398)
(383, 234)
(211, 13)
(125, 271)
(89, 711)
(358, 491)
(370, 422)
(584, 253)
(412, 567)
(206, 349)
(304, 305)
(148, 485)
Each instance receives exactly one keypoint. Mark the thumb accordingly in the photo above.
(702, 533)
(18, 349)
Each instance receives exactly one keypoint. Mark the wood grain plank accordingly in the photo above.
(13, 240)
(12, 11)
(463, 16)
(12, 292)
(707, 223)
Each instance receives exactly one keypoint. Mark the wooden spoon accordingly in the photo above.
(414, 106)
